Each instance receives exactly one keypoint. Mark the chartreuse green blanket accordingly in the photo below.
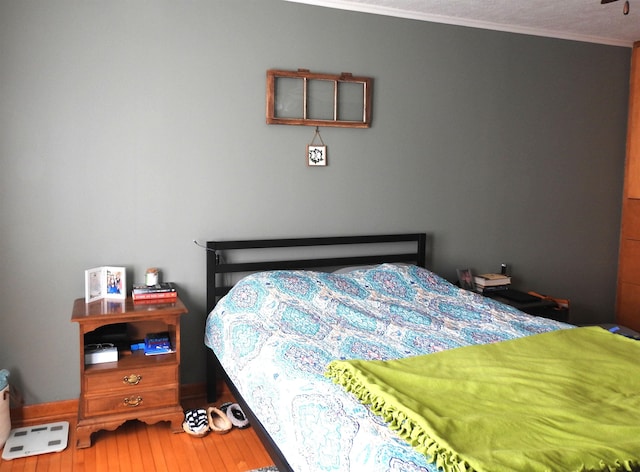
(566, 400)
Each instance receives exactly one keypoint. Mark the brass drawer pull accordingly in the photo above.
(133, 401)
(132, 379)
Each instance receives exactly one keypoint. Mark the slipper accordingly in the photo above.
(218, 421)
(196, 422)
(235, 415)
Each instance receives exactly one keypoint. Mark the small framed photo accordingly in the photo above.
(105, 282)
(116, 282)
(465, 279)
(316, 155)
(93, 284)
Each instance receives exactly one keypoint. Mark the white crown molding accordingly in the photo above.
(386, 11)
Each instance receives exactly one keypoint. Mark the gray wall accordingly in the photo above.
(130, 128)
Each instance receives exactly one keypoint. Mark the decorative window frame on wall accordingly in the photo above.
(310, 99)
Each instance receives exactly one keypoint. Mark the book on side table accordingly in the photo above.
(157, 343)
(486, 283)
(160, 293)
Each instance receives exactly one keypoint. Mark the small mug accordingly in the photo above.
(151, 276)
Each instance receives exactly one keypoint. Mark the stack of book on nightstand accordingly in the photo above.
(486, 283)
(157, 343)
(165, 292)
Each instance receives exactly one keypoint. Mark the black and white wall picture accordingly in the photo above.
(316, 155)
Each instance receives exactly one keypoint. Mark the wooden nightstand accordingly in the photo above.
(145, 388)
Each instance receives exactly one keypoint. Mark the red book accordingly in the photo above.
(160, 297)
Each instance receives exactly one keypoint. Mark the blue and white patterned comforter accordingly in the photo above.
(275, 332)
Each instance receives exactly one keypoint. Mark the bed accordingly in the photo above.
(274, 334)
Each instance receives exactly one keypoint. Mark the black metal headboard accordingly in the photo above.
(217, 266)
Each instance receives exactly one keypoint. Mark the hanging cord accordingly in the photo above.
(316, 135)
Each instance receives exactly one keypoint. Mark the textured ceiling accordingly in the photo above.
(581, 20)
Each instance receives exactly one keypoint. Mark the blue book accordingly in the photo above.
(157, 343)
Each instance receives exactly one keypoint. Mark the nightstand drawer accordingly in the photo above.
(136, 400)
(130, 379)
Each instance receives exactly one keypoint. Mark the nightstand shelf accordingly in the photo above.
(129, 360)
(136, 386)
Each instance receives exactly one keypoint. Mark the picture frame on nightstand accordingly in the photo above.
(107, 282)
(465, 279)
(93, 284)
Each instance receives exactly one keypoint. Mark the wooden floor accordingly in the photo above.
(136, 447)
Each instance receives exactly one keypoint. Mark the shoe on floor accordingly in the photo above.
(218, 421)
(235, 415)
(196, 422)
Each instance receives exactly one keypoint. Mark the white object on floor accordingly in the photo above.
(39, 439)
(5, 419)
